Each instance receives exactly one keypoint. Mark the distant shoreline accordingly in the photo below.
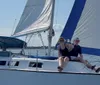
(38, 47)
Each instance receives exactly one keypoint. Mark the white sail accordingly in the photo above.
(36, 17)
(88, 27)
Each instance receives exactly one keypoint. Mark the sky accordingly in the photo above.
(11, 10)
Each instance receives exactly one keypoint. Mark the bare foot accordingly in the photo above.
(60, 69)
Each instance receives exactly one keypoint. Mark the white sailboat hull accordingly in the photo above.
(19, 77)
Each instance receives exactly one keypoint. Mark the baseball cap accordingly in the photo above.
(77, 39)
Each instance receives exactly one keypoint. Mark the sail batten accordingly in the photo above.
(36, 17)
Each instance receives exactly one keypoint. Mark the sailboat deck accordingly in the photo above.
(35, 64)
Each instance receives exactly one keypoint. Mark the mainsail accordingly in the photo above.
(84, 22)
(36, 17)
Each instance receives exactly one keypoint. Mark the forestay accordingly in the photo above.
(36, 17)
(84, 23)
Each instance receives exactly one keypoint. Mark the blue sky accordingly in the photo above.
(12, 9)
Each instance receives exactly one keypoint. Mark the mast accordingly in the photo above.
(51, 30)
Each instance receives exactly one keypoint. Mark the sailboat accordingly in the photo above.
(37, 17)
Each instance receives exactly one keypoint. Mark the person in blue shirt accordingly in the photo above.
(76, 54)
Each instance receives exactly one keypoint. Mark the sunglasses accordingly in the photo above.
(77, 40)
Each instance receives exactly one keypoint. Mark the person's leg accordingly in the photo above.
(85, 62)
(61, 64)
(61, 61)
(66, 60)
(88, 64)
(91, 66)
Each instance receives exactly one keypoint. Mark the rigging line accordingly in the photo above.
(13, 27)
(42, 43)
(30, 38)
(22, 51)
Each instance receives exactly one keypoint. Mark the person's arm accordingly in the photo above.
(69, 46)
(81, 55)
(80, 52)
(59, 54)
